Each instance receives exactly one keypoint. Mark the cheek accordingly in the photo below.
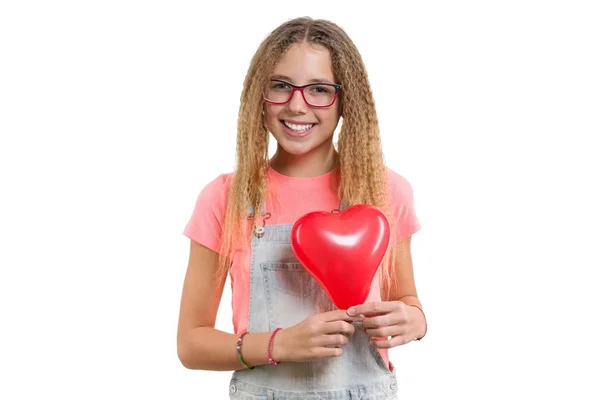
(328, 117)
(271, 115)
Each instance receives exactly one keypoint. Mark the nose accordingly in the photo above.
(297, 103)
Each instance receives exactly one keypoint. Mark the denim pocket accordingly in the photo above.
(291, 293)
(288, 278)
(237, 394)
(246, 396)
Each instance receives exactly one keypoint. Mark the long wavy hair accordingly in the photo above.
(361, 175)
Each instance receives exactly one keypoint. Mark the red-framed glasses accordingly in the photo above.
(318, 95)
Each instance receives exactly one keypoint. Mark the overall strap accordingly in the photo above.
(259, 231)
(251, 211)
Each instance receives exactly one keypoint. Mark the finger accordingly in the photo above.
(373, 314)
(379, 307)
(358, 318)
(385, 332)
(384, 320)
(338, 327)
(326, 352)
(331, 340)
(388, 344)
(337, 315)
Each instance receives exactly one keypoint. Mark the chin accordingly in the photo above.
(296, 149)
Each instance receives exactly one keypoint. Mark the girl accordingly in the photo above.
(290, 341)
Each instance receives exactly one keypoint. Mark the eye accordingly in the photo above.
(321, 89)
(280, 86)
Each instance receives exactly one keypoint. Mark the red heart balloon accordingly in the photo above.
(342, 250)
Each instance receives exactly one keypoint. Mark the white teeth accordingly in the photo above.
(298, 128)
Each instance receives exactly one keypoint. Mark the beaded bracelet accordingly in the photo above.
(270, 348)
(239, 351)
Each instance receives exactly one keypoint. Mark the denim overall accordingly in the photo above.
(282, 294)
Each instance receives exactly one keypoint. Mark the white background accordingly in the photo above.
(114, 115)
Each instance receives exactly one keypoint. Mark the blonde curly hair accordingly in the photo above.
(361, 176)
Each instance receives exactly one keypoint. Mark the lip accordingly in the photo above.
(294, 133)
(292, 121)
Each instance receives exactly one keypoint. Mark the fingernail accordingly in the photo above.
(351, 311)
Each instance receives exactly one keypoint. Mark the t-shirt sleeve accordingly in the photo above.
(206, 222)
(403, 206)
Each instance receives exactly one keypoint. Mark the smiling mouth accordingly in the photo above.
(297, 128)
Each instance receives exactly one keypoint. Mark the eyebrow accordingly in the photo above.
(287, 78)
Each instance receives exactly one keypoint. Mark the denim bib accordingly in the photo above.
(282, 294)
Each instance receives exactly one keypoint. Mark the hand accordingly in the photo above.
(395, 319)
(318, 336)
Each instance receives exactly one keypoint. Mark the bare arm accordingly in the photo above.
(199, 344)
(404, 288)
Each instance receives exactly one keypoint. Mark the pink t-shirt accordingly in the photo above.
(289, 199)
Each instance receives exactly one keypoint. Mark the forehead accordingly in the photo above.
(304, 62)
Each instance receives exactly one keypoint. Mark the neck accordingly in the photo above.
(317, 162)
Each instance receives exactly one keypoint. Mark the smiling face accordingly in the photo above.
(299, 128)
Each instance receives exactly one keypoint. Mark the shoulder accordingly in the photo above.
(206, 221)
(214, 193)
(211, 200)
(218, 185)
(402, 205)
(399, 187)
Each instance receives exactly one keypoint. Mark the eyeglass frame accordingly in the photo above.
(336, 86)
